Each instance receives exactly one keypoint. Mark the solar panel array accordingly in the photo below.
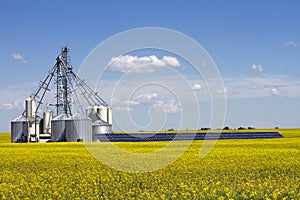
(110, 137)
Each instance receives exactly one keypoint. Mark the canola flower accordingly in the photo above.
(234, 169)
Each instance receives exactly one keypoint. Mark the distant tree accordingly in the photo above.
(171, 129)
(250, 128)
(276, 127)
(205, 128)
(241, 128)
(226, 128)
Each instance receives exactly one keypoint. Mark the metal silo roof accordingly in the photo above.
(20, 118)
(61, 117)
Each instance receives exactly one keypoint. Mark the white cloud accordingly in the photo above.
(169, 107)
(13, 96)
(15, 104)
(19, 57)
(145, 97)
(221, 91)
(237, 86)
(290, 44)
(172, 61)
(122, 108)
(124, 105)
(197, 86)
(256, 68)
(24, 62)
(127, 105)
(136, 101)
(119, 102)
(262, 86)
(259, 68)
(135, 64)
(274, 91)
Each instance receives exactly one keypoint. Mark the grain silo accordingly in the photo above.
(47, 117)
(103, 112)
(58, 125)
(78, 128)
(100, 127)
(69, 96)
(109, 115)
(19, 129)
(30, 108)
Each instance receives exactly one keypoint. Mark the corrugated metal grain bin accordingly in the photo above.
(58, 126)
(98, 127)
(19, 129)
(78, 128)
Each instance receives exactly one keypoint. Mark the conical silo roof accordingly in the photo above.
(61, 117)
(20, 118)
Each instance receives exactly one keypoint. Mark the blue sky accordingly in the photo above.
(255, 45)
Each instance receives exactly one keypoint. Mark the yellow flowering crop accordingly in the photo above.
(234, 169)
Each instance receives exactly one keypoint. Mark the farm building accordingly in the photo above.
(77, 112)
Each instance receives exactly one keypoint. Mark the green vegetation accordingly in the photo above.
(234, 169)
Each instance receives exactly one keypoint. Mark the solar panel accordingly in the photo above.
(110, 137)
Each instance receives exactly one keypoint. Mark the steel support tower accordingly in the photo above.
(69, 87)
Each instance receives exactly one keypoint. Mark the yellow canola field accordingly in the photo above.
(234, 169)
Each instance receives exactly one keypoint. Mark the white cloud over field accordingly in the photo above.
(167, 107)
(197, 86)
(19, 57)
(256, 68)
(135, 64)
(290, 44)
(152, 99)
(14, 104)
(262, 86)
